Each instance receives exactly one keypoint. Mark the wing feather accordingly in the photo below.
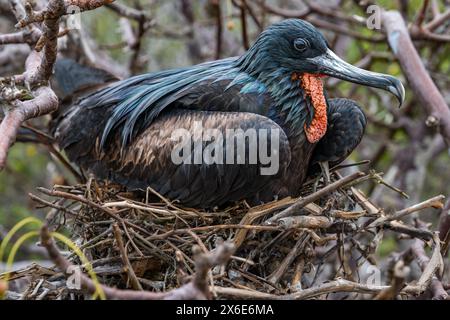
(147, 161)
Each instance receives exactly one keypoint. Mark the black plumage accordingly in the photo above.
(123, 131)
(346, 125)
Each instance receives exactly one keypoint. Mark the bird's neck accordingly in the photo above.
(300, 103)
(301, 110)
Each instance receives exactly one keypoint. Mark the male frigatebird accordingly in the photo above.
(123, 132)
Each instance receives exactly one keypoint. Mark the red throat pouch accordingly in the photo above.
(313, 88)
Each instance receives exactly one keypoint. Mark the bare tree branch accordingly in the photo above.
(418, 77)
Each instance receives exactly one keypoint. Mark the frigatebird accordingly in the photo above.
(124, 131)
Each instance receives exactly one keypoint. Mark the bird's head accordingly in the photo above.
(294, 46)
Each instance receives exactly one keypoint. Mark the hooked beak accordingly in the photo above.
(331, 65)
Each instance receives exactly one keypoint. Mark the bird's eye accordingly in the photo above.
(301, 44)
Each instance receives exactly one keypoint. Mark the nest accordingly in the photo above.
(322, 245)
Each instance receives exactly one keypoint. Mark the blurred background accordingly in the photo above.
(132, 37)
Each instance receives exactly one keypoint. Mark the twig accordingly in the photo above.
(129, 12)
(123, 254)
(419, 79)
(438, 21)
(243, 15)
(287, 261)
(444, 227)
(219, 28)
(400, 273)
(422, 13)
(435, 202)
(196, 289)
(300, 203)
(111, 213)
(51, 14)
(44, 102)
(339, 285)
(429, 266)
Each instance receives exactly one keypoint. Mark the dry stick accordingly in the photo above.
(196, 289)
(400, 272)
(296, 283)
(86, 5)
(364, 202)
(256, 213)
(243, 16)
(435, 202)
(57, 154)
(20, 37)
(438, 21)
(167, 234)
(419, 79)
(39, 67)
(219, 26)
(91, 241)
(38, 70)
(171, 205)
(339, 285)
(133, 244)
(48, 41)
(429, 268)
(334, 13)
(280, 271)
(253, 15)
(128, 12)
(44, 103)
(205, 251)
(123, 254)
(395, 226)
(238, 293)
(308, 222)
(153, 248)
(111, 213)
(320, 22)
(422, 13)
(300, 203)
(444, 227)
(80, 5)
(54, 205)
(434, 9)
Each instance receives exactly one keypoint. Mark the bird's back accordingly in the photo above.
(122, 132)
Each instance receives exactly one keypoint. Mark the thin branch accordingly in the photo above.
(45, 102)
(300, 203)
(219, 28)
(421, 83)
(430, 267)
(128, 12)
(438, 21)
(50, 14)
(340, 285)
(123, 254)
(422, 13)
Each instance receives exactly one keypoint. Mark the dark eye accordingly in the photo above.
(301, 44)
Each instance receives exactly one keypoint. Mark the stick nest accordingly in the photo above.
(322, 245)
